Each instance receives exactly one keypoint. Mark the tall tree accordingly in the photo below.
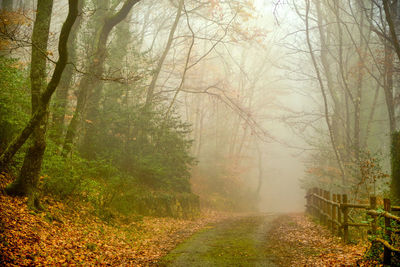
(26, 182)
(323, 92)
(152, 86)
(61, 97)
(390, 13)
(90, 86)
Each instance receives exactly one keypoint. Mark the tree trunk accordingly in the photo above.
(395, 164)
(92, 80)
(395, 142)
(357, 105)
(388, 86)
(89, 144)
(7, 5)
(77, 117)
(85, 83)
(61, 97)
(324, 95)
(150, 91)
(26, 183)
(260, 171)
(45, 97)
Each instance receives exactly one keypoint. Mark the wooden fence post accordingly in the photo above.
(387, 253)
(334, 207)
(345, 210)
(329, 210)
(324, 207)
(372, 201)
(312, 201)
(326, 219)
(374, 246)
(339, 215)
(320, 206)
(315, 202)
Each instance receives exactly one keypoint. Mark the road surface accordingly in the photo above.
(234, 242)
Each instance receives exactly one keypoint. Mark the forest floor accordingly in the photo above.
(296, 240)
(68, 234)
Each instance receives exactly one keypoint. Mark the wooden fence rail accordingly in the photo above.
(332, 210)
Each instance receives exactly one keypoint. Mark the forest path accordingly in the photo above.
(234, 242)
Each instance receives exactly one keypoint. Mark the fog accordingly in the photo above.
(246, 104)
(199, 132)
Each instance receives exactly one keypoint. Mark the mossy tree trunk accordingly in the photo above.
(7, 5)
(27, 181)
(395, 162)
(391, 15)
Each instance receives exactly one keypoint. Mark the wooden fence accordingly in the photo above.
(332, 210)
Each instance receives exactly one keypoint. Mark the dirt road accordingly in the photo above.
(235, 242)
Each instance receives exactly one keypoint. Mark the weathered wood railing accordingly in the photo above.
(332, 210)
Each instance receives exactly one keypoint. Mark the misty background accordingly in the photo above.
(244, 104)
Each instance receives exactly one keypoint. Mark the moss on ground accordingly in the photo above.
(237, 242)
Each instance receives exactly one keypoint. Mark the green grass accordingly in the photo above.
(232, 243)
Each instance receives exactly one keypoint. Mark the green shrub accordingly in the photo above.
(14, 99)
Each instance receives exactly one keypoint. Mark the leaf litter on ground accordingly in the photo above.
(72, 234)
(296, 240)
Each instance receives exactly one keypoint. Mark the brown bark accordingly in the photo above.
(388, 86)
(395, 144)
(357, 104)
(392, 29)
